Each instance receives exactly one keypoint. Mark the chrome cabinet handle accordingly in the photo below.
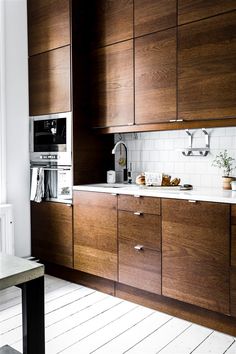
(138, 213)
(136, 196)
(113, 193)
(192, 201)
(138, 248)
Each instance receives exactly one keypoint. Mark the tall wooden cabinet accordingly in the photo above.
(195, 253)
(95, 233)
(155, 77)
(207, 68)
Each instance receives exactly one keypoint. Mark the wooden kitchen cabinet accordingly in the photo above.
(49, 82)
(155, 77)
(194, 10)
(206, 69)
(111, 21)
(112, 85)
(51, 230)
(233, 262)
(48, 25)
(139, 240)
(95, 233)
(195, 253)
(153, 15)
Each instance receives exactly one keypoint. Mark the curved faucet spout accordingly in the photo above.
(113, 152)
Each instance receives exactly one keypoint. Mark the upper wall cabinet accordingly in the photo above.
(155, 77)
(49, 82)
(48, 25)
(207, 68)
(111, 21)
(153, 15)
(193, 10)
(112, 85)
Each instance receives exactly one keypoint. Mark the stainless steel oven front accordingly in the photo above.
(50, 139)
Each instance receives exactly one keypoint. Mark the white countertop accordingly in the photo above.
(15, 270)
(201, 194)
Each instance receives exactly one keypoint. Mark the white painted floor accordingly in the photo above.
(80, 320)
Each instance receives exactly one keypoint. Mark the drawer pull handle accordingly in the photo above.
(138, 213)
(192, 201)
(136, 196)
(113, 193)
(138, 248)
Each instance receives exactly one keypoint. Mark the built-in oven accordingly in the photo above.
(50, 138)
(51, 157)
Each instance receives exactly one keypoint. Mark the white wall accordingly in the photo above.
(158, 152)
(17, 172)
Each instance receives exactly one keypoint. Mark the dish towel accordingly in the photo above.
(37, 184)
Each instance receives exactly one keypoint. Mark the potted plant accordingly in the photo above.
(225, 162)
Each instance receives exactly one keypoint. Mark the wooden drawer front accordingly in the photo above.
(139, 204)
(144, 229)
(140, 269)
(233, 292)
(95, 233)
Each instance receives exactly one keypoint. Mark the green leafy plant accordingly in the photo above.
(224, 162)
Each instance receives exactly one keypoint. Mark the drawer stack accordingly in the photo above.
(139, 242)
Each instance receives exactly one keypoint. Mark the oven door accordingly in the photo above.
(50, 138)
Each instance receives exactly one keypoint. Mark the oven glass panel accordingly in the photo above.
(50, 135)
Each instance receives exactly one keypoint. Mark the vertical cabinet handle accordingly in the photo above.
(138, 248)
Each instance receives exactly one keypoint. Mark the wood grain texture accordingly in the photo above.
(142, 229)
(195, 253)
(193, 10)
(112, 85)
(49, 82)
(233, 292)
(233, 245)
(51, 233)
(140, 269)
(155, 77)
(233, 214)
(153, 15)
(111, 21)
(95, 233)
(48, 25)
(179, 309)
(207, 69)
(231, 122)
(138, 203)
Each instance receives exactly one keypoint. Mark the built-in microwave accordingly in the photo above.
(50, 138)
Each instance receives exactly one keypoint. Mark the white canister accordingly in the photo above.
(111, 176)
(233, 185)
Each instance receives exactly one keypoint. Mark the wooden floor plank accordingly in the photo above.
(187, 341)
(161, 337)
(216, 343)
(112, 330)
(69, 338)
(135, 334)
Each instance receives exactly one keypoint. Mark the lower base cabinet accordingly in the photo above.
(51, 233)
(196, 253)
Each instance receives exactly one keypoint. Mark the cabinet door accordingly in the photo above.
(207, 69)
(51, 232)
(111, 21)
(48, 25)
(49, 82)
(113, 102)
(193, 10)
(153, 15)
(233, 262)
(233, 292)
(95, 233)
(195, 253)
(155, 77)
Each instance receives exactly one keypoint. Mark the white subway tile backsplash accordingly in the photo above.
(159, 152)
